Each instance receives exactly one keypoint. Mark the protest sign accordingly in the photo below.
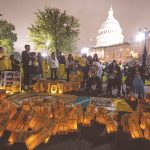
(11, 81)
(111, 104)
(102, 102)
(81, 61)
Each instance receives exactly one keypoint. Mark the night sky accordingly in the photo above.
(131, 14)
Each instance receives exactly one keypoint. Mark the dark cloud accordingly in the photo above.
(131, 14)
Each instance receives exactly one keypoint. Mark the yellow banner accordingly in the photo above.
(61, 71)
(82, 61)
(121, 105)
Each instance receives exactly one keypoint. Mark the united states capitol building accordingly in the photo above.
(110, 42)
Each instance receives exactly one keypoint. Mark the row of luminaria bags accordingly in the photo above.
(38, 120)
(56, 87)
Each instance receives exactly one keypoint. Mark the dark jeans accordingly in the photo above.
(113, 83)
(68, 70)
(54, 74)
(27, 75)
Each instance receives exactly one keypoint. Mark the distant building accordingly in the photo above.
(110, 32)
(120, 52)
(110, 43)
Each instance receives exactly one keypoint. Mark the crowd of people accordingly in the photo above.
(93, 71)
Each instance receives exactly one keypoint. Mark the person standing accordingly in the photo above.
(39, 60)
(69, 65)
(136, 79)
(61, 58)
(35, 65)
(27, 65)
(95, 58)
(54, 64)
(114, 78)
(94, 79)
(89, 63)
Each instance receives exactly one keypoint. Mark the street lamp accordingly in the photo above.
(140, 36)
(85, 51)
(143, 36)
(44, 54)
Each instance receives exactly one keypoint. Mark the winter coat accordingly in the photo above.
(131, 74)
(117, 75)
(53, 62)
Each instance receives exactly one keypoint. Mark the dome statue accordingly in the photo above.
(110, 32)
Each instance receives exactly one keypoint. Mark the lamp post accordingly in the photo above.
(85, 51)
(143, 36)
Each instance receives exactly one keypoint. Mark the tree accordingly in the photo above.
(54, 30)
(7, 36)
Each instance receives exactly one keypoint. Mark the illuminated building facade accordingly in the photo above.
(110, 32)
(110, 43)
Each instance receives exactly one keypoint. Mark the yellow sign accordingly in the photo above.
(5, 63)
(61, 71)
(121, 105)
(46, 69)
(82, 61)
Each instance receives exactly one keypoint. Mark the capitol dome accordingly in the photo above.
(110, 32)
